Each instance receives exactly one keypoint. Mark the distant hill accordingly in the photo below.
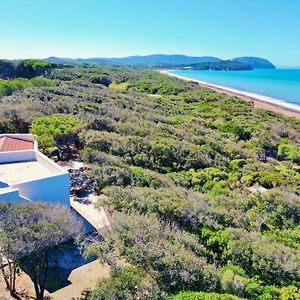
(255, 62)
(173, 60)
(149, 60)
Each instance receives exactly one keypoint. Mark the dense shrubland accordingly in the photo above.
(204, 188)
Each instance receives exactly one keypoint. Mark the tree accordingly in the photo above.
(68, 144)
(202, 296)
(31, 231)
(30, 68)
(7, 69)
(101, 80)
(125, 283)
(172, 257)
(9, 244)
(47, 128)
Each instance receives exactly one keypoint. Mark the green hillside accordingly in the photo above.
(255, 62)
(203, 189)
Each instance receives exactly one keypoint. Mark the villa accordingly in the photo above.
(28, 175)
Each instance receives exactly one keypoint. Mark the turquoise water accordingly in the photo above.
(282, 84)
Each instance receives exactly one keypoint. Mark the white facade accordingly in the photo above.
(28, 175)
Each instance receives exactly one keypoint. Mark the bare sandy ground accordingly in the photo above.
(82, 278)
(258, 103)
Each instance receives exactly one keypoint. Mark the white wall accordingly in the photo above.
(15, 156)
(46, 161)
(9, 195)
(51, 189)
(87, 227)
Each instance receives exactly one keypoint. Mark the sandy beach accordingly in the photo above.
(259, 101)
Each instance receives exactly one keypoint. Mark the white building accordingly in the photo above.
(28, 175)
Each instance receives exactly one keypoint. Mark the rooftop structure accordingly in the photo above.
(8, 143)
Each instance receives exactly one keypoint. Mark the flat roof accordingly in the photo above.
(13, 173)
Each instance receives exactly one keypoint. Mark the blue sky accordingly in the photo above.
(110, 28)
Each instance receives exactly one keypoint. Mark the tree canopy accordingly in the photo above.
(47, 128)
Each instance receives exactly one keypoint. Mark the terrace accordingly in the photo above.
(83, 199)
(13, 173)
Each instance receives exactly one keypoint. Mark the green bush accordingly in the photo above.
(172, 257)
(30, 68)
(124, 283)
(7, 87)
(207, 179)
(233, 280)
(46, 128)
(216, 242)
(202, 296)
(241, 132)
(288, 150)
(270, 261)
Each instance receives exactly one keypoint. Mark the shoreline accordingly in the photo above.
(259, 101)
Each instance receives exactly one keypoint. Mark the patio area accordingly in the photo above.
(83, 199)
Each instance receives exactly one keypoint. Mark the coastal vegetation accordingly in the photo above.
(203, 189)
(227, 65)
(7, 87)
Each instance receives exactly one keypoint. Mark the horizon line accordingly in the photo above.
(144, 55)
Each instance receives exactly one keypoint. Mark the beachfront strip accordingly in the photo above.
(28, 175)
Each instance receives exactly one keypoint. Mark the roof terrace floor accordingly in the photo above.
(14, 173)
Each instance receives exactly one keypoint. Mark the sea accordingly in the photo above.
(277, 86)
